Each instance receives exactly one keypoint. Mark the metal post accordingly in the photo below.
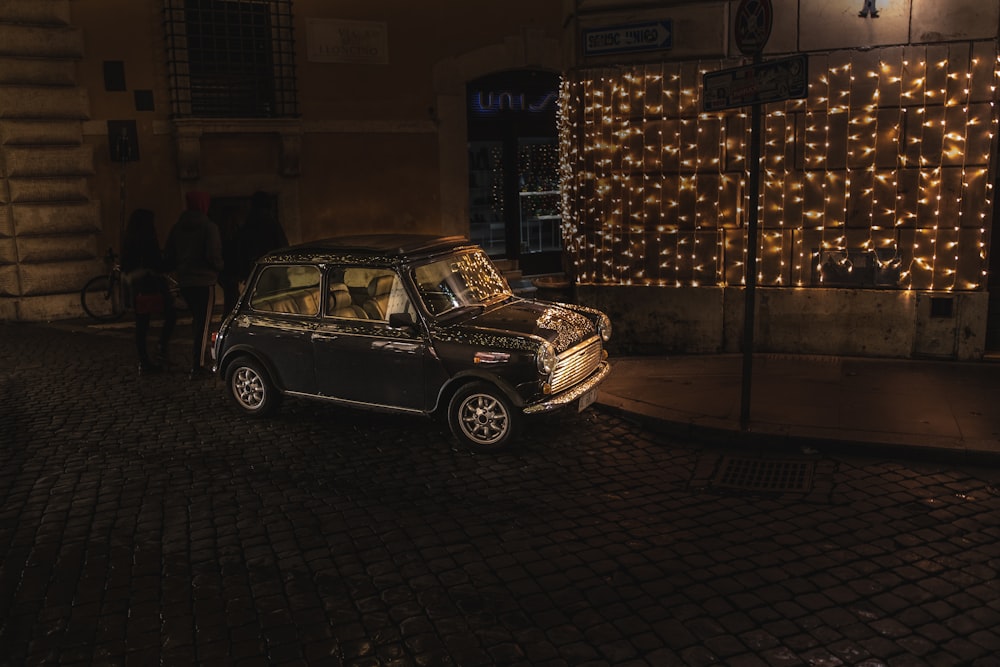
(124, 153)
(756, 114)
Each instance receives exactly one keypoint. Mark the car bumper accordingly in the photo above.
(573, 394)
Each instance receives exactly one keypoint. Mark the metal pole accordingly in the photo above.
(124, 152)
(756, 114)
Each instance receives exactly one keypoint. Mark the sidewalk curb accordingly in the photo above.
(762, 442)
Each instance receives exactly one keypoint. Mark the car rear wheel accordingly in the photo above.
(251, 387)
(482, 418)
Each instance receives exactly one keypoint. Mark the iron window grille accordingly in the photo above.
(231, 58)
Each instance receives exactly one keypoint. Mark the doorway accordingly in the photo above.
(514, 203)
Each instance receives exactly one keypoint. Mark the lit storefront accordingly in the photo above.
(514, 201)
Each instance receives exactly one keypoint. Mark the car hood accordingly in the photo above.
(559, 325)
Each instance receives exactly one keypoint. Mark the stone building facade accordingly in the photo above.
(876, 205)
(351, 116)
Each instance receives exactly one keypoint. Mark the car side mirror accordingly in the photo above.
(402, 321)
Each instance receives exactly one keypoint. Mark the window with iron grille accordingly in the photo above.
(231, 58)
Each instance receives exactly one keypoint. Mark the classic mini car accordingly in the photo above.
(411, 324)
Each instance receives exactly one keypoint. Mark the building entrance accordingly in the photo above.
(514, 203)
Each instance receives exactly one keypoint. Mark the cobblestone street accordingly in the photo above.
(144, 521)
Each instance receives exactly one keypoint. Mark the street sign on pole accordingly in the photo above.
(650, 36)
(769, 81)
(753, 28)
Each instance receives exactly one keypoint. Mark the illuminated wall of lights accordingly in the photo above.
(881, 178)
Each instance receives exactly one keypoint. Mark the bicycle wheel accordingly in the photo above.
(101, 301)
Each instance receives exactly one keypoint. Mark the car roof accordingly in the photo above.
(391, 246)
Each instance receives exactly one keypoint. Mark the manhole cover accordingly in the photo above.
(763, 475)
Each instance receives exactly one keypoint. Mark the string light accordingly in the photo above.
(887, 160)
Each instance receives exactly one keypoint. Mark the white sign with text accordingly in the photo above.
(342, 41)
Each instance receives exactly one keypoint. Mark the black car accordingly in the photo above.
(412, 324)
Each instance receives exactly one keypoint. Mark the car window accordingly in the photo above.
(290, 289)
(364, 292)
(467, 279)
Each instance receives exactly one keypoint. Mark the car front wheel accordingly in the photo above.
(482, 418)
(251, 387)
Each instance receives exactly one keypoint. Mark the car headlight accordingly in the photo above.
(545, 358)
(604, 327)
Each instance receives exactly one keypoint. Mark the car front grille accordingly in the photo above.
(576, 363)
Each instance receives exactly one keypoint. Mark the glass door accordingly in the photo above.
(538, 192)
(514, 168)
(487, 225)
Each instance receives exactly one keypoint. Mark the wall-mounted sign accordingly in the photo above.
(339, 41)
(123, 141)
(770, 81)
(754, 19)
(650, 36)
(491, 102)
(522, 102)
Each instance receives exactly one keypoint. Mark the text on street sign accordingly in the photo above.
(652, 36)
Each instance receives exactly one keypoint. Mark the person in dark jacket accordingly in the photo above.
(230, 276)
(142, 265)
(260, 233)
(194, 253)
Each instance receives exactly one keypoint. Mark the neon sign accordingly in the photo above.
(493, 103)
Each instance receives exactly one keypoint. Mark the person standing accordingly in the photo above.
(142, 265)
(230, 276)
(869, 9)
(194, 252)
(260, 233)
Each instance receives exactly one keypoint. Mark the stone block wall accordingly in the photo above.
(49, 225)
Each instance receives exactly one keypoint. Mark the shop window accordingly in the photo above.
(514, 196)
(231, 58)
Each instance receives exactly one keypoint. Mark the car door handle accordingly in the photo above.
(323, 336)
(392, 346)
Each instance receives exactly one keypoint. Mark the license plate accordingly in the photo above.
(587, 400)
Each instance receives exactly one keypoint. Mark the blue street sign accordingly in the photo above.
(651, 36)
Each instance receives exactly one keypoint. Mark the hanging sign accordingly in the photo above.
(651, 36)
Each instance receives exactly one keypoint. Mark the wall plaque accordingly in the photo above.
(342, 41)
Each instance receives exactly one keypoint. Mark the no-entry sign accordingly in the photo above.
(754, 19)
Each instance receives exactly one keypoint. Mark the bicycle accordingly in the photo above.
(103, 296)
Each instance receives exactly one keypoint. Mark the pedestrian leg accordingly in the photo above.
(169, 322)
(197, 298)
(146, 364)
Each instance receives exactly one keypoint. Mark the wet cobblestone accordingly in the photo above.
(143, 521)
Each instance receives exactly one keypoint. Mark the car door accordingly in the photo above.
(284, 306)
(364, 360)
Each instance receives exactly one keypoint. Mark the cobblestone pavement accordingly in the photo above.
(144, 521)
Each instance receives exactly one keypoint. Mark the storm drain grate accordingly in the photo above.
(763, 475)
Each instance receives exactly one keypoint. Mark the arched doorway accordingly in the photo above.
(514, 205)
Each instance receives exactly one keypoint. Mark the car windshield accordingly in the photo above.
(461, 281)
